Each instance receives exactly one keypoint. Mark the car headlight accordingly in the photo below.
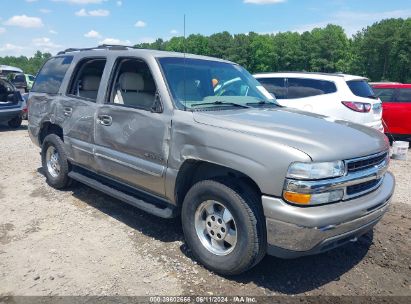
(307, 171)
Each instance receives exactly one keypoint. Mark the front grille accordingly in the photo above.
(359, 188)
(366, 162)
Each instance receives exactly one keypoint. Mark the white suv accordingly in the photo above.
(339, 96)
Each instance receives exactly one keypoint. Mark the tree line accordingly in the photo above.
(381, 52)
(28, 65)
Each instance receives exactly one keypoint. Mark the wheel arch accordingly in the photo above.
(193, 171)
(47, 128)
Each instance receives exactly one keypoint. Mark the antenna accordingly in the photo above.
(184, 31)
(184, 63)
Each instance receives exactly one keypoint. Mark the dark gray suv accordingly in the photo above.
(198, 137)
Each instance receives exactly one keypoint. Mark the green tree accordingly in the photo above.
(380, 48)
(381, 51)
(329, 49)
(289, 51)
(28, 65)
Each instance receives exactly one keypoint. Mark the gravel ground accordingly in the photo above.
(81, 242)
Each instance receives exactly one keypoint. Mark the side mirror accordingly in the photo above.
(157, 105)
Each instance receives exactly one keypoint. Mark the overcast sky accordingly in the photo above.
(52, 25)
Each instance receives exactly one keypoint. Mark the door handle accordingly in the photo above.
(68, 111)
(105, 120)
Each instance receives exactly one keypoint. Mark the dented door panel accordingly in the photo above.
(76, 116)
(134, 148)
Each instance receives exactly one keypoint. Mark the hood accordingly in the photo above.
(322, 138)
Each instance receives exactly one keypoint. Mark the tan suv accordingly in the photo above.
(246, 176)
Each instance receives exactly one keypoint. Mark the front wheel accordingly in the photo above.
(224, 226)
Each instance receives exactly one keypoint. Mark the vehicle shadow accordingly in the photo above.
(307, 273)
(164, 230)
(277, 275)
(6, 128)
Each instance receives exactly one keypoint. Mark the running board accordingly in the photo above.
(166, 212)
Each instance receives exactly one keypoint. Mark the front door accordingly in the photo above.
(131, 134)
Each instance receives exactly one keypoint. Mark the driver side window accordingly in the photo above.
(133, 85)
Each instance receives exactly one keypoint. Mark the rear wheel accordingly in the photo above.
(15, 122)
(54, 161)
(224, 226)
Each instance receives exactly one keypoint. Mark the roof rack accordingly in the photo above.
(109, 47)
(304, 72)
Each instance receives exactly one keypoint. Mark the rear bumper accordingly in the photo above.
(297, 231)
(376, 125)
(7, 114)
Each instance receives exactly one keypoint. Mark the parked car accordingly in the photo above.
(6, 71)
(23, 81)
(341, 96)
(396, 99)
(25, 112)
(247, 176)
(11, 104)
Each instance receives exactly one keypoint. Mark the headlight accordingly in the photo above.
(316, 170)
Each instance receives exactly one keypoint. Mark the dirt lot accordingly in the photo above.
(81, 242)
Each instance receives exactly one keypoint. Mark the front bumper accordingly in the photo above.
(294, 231)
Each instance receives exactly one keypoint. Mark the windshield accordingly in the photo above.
(197, 84)
(361, 88)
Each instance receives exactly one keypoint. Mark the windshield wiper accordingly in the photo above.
(261, 103)
(219, 103)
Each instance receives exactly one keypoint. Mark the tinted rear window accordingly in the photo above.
(20, 78)
(275, 86)
(384, 94)
(52, 74)
(404, 95)
(361, 88)
(301, 87)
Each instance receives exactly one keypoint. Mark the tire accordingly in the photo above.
(248, 220)
(15, 122)
(57, 169)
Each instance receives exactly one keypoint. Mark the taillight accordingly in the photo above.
(357, 106)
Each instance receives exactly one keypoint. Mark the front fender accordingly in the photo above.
(265, 162)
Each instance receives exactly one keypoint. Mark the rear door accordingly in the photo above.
(313, 95)
(77, 110)
(275, 86)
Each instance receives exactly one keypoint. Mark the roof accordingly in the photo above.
(128, 50)
(10, 68)
(311, 75)
(383, 82)
(392, 86)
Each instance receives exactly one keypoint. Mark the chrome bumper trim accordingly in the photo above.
(300, 229)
